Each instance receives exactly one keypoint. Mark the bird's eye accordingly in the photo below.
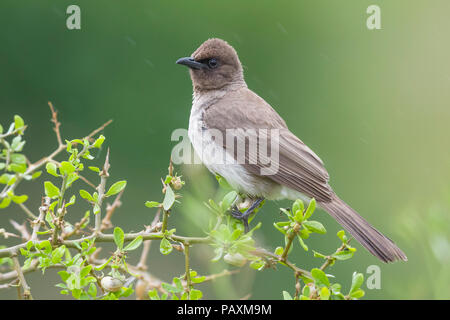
(212, 63)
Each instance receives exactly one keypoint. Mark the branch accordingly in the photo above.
(57, 124)
(26, 289)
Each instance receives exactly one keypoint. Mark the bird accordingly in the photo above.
(223, 105)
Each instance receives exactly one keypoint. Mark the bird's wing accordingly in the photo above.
(299, 168)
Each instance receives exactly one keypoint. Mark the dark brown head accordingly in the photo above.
(214, 65)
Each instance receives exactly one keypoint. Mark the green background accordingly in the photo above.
(373, 104)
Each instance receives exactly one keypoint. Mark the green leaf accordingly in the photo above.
(357, 294)
(98, 143)
(170, 288)
(18, 158)
(66, 168)
(169, 198)
(302, 243)
(357, 281)
(92, 291)
(116, 188)
(18, 168)
(96, 208)
(51, 168)
(279, 251)
(95, 169)
(85, 271)
(287, 296)
(71, 202)
(311, 208)
(134, 244)
(20, 199)
(51, 190)
(343, 255)
(36, 175)
(315, 226)
(228, 200)
(195, 294)
(165, 247)
(119, 237)
(319, 255)
(86, 195)
(18, 122)
(46, 246)
(341, 235)
(324, 293)
(320, 277)
(5, 203)
(153, 294)
(152, 204)
(57, 254)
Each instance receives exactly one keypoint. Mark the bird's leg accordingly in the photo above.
(237, 214)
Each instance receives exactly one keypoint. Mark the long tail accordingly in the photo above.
(373, 240)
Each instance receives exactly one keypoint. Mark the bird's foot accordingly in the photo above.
(243, 216)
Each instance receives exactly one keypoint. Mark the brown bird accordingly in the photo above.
(223, 106)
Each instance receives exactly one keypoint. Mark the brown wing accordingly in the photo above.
(299, 167)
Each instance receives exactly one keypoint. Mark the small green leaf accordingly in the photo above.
(311, 208)
(319, 255)
(228, 200)
(18, 158)
(98, 143)
(165, 247)
(195, 294)
(320, 277)
(36, 175)
(357, 281)
(169, 198)
(95, 169)
(71, 202)
(20, 199)
(302, 243)
(51, 190)
(116, 188)
(341, 235)
(357, 294)
(86, 195)
(324, 293)
(134, 244)
(92, 291)
(119, 237)
(153, 294)
(18, 122)
(51, 168)
(315, 226)
(5, 203)
(66, 168)
(152, 204)
(343, 255)
(287, 296)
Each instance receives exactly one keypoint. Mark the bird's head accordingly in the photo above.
(214, 65)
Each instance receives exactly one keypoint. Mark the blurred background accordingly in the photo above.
(373, 104)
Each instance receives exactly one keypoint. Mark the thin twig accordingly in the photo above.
(106, 222)
(26, 289)
(56, 123)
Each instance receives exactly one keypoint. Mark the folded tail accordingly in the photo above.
(373, 240)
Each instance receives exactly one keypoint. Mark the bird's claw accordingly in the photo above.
(237, 214)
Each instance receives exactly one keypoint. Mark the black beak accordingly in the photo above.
(191, 63)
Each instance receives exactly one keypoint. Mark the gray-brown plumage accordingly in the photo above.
(222, 101)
